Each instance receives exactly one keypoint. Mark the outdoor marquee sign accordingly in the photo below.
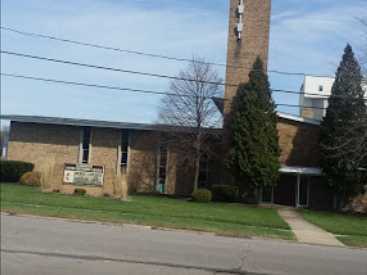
(83, 175)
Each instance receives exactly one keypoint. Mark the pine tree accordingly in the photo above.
(254, 148)
(343, 130)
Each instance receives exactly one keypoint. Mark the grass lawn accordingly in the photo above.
(351, 230)
(221, 218)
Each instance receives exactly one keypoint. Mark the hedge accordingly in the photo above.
(11, 171)
(225, 193)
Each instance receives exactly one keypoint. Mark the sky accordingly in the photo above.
(306, 36)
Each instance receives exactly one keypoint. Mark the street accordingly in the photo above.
(31, 245)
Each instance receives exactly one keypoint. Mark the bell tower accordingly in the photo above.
(248, 38)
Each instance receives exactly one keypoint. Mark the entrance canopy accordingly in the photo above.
(309, 171)
(294, 188)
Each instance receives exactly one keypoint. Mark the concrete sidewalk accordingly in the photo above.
(306, 232)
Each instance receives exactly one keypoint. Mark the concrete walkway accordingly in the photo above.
(306, 232)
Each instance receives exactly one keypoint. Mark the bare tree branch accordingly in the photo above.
(191, 105)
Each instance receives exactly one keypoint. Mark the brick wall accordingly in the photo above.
(58, 145)
(299, 143)
(40, 144)
(242, 53)
(44, 144)
(143, 161)
(104, 151)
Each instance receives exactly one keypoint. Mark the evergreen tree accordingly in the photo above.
(343, 130)
(254, 148)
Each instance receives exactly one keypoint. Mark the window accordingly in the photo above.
(204, 171)
(85, 146)
(124, 148)
(162, 169)
(321, 88)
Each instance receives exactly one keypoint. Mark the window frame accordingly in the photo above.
(124, 148)
(82, 148)
(162, 166)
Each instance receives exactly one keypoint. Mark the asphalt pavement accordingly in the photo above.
(32, 245)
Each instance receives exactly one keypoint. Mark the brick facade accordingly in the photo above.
(299, 143)
(58, 145)
(242, 53)
(142, 168)
(104, 152)
(44, 145)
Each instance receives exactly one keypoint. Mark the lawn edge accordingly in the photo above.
(17, 213)
(286, 227)
(341, 237)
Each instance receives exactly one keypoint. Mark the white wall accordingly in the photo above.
(312, 85)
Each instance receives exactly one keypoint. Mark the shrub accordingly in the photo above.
(80, 192)
(31, 179)
(358, 205)
(225, 193)
(202, 195)
(11, 171)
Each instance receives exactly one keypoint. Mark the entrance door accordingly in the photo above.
(303, 191)
(285, 191)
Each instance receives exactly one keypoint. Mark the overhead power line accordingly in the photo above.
(68, 62)
(99, 67)
(326, 97)
(141, 53)
(74, 83)
(301, 106)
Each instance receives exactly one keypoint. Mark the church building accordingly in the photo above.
(102, 157)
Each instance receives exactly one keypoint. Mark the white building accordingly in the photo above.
(315, 92)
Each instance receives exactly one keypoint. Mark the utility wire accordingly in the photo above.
(301, 106)
(54, 60)
(161, 56)
(312, 94)
(150, 74)
(74, 83)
